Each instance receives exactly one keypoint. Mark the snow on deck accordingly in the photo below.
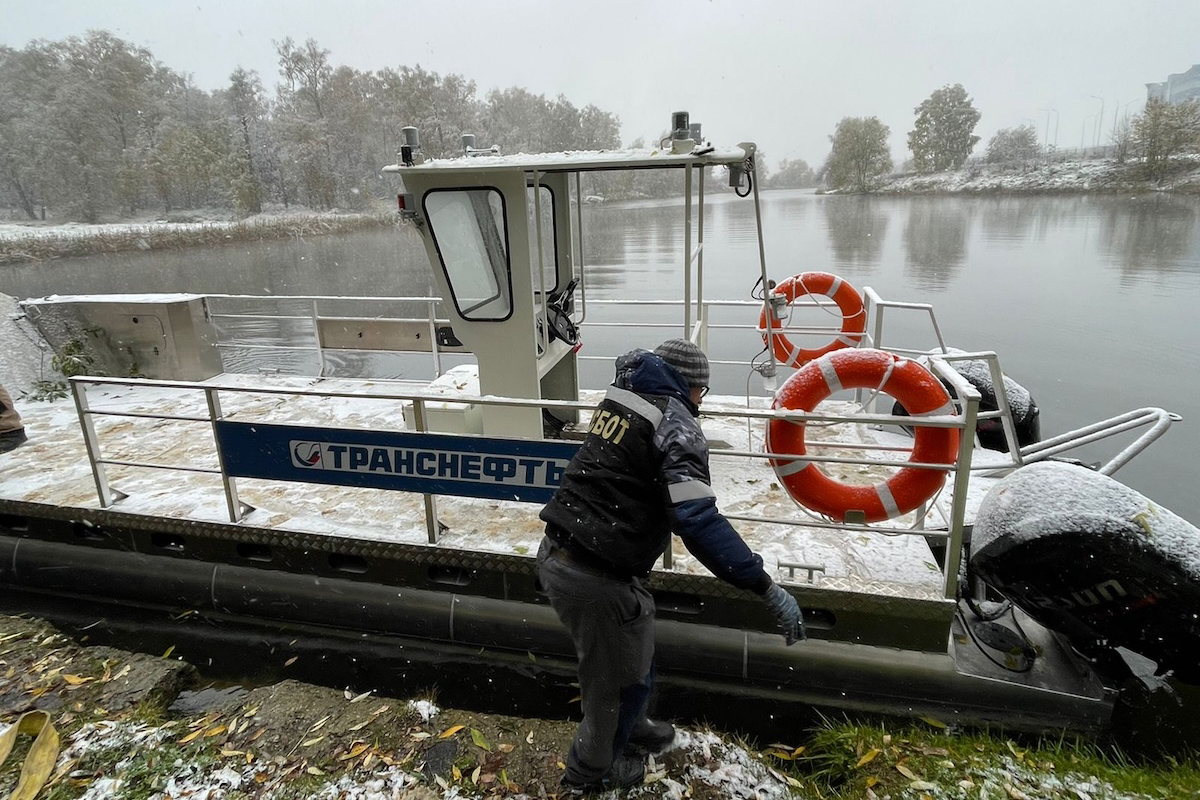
(53, 468)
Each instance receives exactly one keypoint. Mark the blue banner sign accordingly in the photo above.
(432, 463)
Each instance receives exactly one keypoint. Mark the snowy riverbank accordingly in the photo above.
(1096, 175)
(25, 241)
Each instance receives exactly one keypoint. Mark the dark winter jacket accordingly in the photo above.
(641, 473)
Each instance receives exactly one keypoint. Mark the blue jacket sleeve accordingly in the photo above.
(713, 541)
(693, 504)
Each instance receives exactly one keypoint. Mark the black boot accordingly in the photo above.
(624, 773)
(651, 737)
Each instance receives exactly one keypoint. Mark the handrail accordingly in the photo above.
(237, 509)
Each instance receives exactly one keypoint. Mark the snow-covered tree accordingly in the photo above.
(793, 174)
(1013, 144)
(859, 155)
(1166, 130)
(942, 138)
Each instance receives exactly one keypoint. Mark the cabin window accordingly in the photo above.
(470, 232)
(549, 257)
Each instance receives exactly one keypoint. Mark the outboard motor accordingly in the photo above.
(1025, 412)
(1094, 560)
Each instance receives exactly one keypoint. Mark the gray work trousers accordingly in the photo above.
(611, 622)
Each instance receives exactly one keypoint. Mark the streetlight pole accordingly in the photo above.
(1050, 111)
(1100, 120)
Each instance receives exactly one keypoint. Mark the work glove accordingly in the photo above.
(787, 613)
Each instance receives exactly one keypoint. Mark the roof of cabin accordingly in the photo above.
(582, 160)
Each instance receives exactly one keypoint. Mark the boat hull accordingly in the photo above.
(867, 654)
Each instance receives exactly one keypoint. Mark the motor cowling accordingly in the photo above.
(1095, 560)
(1025, 412)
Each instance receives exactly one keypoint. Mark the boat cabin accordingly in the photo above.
(504, 236)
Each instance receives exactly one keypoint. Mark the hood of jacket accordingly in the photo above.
(646, 373)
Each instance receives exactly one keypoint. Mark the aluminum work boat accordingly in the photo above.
(364, 474)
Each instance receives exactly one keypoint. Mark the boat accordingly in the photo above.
(273, 474)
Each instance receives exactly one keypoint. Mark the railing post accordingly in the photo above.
(432, 529)
(233, 503)
(433, 339)
(687, 251)
(92, 443)
(316, 318)
(962, 478)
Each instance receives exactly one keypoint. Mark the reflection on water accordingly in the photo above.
(935, 241)
(1150, 235)
(857, 226)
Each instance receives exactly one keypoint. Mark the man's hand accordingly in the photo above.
(787, 613)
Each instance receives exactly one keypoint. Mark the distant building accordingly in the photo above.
(1178, 88)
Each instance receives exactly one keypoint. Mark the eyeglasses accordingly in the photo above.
(704, 392)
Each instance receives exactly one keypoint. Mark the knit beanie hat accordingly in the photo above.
(687, 359)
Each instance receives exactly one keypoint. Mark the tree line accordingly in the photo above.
(943, 139)
(94, 126)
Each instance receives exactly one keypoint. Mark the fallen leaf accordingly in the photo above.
(76, 680)
(455, 773)
(475, 775)
(906, 772)
(420, 735)
(479, 741)
(504, 748)
(937, 723)
(446, 734)
(355, 751)
(314, 771)
(170, 650)
(359, 698)
(290, 661)
(368, 760)
(193, 735)
(529, 738)
(317, 725)
(217, 731)
(232, 753)
(871, 781)
(868, 757)
(312, 741)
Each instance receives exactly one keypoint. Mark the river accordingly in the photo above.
(1088, 299)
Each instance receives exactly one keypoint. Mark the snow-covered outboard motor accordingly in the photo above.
(1026, 415)
(1095, 560)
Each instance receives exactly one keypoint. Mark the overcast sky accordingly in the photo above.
(778, 72)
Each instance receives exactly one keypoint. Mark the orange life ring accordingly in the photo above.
(854, 318)
(918, 391)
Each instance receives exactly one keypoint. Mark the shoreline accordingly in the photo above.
(28, 241)
(35, 242)
(1096, 176)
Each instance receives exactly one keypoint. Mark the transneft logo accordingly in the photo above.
(306, 454)
(432, 464)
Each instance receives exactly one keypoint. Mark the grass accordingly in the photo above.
(849, 759)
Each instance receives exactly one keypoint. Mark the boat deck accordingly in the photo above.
(149, 425)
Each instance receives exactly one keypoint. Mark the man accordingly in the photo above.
(641, 473)
(12, 432)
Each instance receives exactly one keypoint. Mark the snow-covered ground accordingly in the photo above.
(1103, 175)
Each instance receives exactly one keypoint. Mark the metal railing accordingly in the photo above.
(951, 508)
(109, 496)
